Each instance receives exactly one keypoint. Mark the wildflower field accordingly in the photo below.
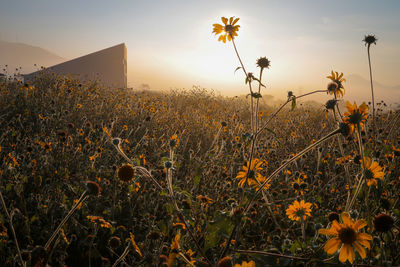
(92, 176)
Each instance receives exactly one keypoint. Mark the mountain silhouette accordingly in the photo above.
(358, 89)
(17, 55)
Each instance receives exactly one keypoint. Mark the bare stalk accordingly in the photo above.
(123, 255)
(74, 207)
(12, 229)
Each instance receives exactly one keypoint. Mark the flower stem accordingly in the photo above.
(74, 207)
(12, 229)
(372, 86)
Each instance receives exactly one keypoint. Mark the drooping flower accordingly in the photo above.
(355, 115)
(227, 30)
(337, 78)
(346, 238)
(373, 171)
(299, 210)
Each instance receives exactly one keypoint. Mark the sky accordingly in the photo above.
(170, 43)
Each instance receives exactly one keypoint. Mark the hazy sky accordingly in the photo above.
(170, 43)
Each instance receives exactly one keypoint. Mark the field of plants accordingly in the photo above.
(92, 176)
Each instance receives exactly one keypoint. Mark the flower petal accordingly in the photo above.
(360, 249)
(332, 245)
(359, 224)
(346, 253)
(329, 232)
(346, 219)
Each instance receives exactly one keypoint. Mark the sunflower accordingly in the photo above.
(299, 210)
(258, 181)
(355, 115)
(337, 78)
(227, 30)
(373, 171)
(346, 237)
(253, 177)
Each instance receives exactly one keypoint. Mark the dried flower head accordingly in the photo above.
(93, 188)
(383, 222)
(333, 216)
(370, 39)
(263, 62)
(114, 242)
(330, 104)
(126, 173)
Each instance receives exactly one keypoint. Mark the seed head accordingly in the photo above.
(330, 104)
(370, 39)
(114, 242)
(263, 62)
(383, 222)
(333, 216)
(93, 188)
(126, 173)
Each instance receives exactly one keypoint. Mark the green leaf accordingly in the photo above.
(293, 102)
(220, 227)
(238, 68)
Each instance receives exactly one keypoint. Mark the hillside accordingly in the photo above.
(17, 55)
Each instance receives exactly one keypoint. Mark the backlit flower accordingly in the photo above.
(346, 238)
(299, 210)
(373, 171)
(355, 115)
(227, 30)
(337, 78)
(251, 173)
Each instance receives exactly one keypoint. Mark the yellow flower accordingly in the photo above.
(372, 171)
(299, 210)
(254, 178)
(135, 246)
(227, 30)
(346, 238)
(174, 249)
(355, 115)
(299, 186)
(338, 79)
(246, 264)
